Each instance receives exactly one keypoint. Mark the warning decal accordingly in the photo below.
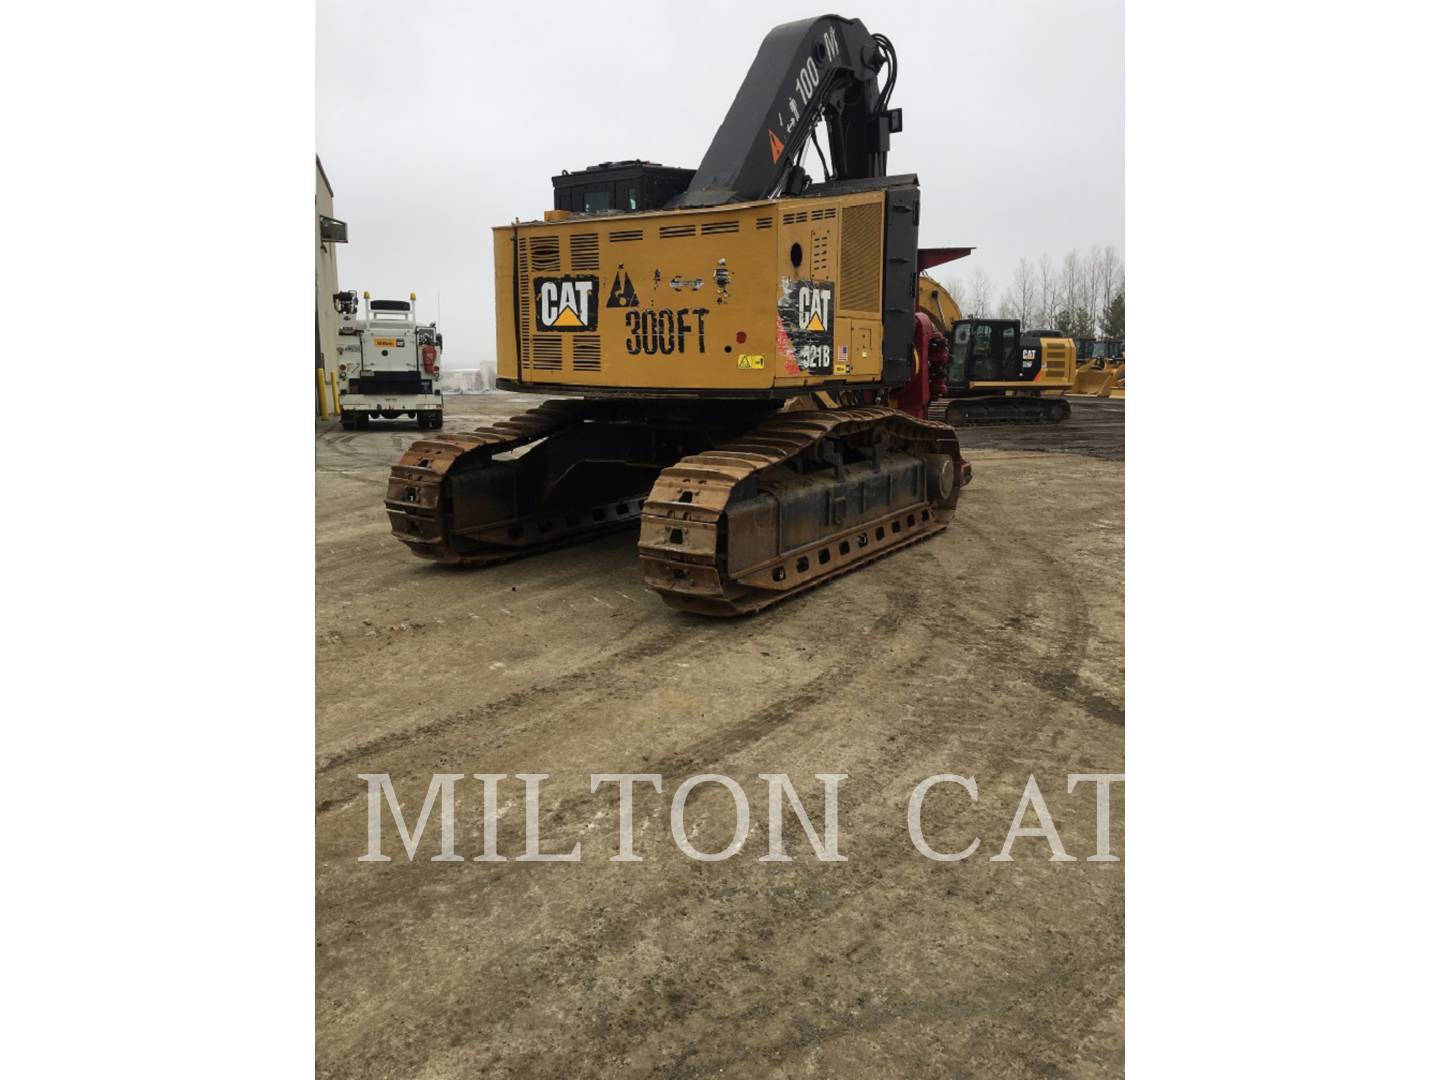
(622, 296)
(776, 147)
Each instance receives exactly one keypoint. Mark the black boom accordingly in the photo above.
(826, 67)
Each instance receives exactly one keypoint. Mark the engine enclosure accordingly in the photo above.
(767, 298)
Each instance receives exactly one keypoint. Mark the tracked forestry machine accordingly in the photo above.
(734, 354)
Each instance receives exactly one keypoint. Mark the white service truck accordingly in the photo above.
(389, 365)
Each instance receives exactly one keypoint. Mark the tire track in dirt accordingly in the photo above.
(1061, 660)
(626, 930)
(531, 698)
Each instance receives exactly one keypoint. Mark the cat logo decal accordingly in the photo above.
(566, 303)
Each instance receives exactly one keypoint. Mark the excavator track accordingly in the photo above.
(589, 464)
(998, 409)
(415, 498)
(801, 498)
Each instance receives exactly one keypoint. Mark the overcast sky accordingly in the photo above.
(438, 120)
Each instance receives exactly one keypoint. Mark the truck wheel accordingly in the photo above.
(362, 421)
(347, 421)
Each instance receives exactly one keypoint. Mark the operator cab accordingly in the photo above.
(992, 351)
(619, 186)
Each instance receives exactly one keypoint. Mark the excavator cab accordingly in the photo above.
(987, 351)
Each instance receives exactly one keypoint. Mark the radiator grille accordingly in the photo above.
(669, 232)
(622, 236)
(584, 252)
(713, 227)
(586, 356)
(860, 258)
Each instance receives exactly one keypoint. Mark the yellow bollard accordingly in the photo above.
(320, 379)
(335, 392)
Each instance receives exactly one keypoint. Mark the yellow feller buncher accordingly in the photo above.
(671, 313)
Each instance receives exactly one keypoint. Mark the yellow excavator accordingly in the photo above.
(669, 315)
(992, 370)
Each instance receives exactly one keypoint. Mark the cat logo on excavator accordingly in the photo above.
(566, 303)
(814, 304)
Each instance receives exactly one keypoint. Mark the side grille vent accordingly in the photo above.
(719, 227)
(795, 217)
(765, 223)
(622, 236)
(823, 215)
(523, 265)
(587, 353)
(820, 253)
(545, 352)
(860, 258)
(545, 254)
(670, 232)
(1054, 361)
(585, 252)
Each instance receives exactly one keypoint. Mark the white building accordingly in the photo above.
(329, 233)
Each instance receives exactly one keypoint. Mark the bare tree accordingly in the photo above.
(1075, 294)
(1070, 280)
(1094, 276)
(956, 288)
(1022, 293)
(1047, 287)
(1112, 276)
(980, 286)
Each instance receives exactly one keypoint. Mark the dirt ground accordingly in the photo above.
(993, 651)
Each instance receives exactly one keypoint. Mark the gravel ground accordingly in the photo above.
(994, 650)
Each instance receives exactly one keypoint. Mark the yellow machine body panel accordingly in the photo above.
(1057, 374)
(1097, 378)
(745, 298)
